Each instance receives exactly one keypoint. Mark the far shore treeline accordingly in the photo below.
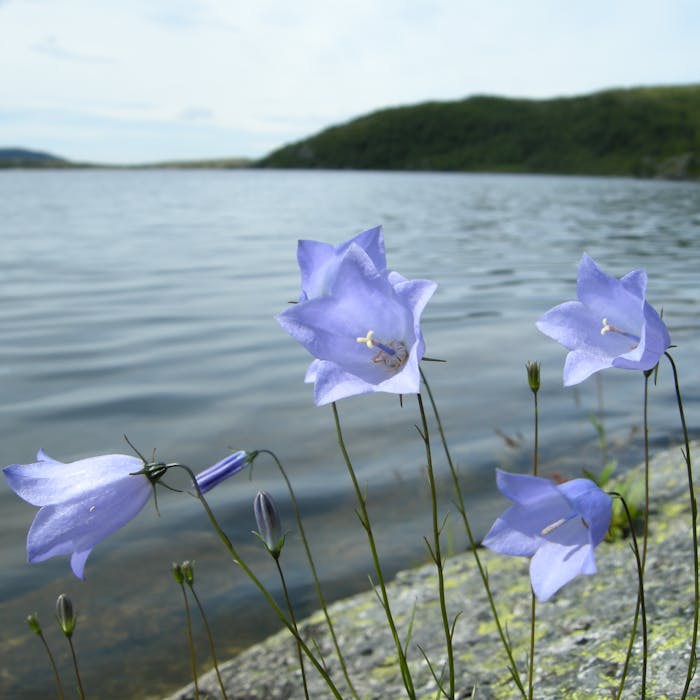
(638, 132)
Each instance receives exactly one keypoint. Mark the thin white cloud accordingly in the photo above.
(50, 46)
(195, 114)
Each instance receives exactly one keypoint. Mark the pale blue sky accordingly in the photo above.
(128, 81)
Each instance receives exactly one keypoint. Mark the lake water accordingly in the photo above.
(143, 302)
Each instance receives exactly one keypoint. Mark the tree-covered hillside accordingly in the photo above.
(644, 132)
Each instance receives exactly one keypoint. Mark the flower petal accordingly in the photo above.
(78, 524)
(592, 504)
(319, 262)
(46, 482)
(555, 564)
(580, 365)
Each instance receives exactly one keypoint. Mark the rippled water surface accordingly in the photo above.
(143, 303)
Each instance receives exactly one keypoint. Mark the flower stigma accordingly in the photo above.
(392, 354)
(609, 328)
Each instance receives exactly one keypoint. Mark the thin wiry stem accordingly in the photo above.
(533, 600)
(190, 641)
(59, 687)
(692, 661)
(210, 638)
(640, 599)
(630, 645)
(472, 542)
(258, 584)
(294, 623)
(435, 551)
(81, 690)
(314, 574)
(364, 519)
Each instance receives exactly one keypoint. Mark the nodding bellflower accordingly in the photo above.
(557, 526)
(319, 262)
(365, 333)
(611, 325)
(80, 502)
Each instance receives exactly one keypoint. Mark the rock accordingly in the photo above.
(582, 632)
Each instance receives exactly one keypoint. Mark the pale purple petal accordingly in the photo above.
(79, 524)
(580, 365)
(592, 504)
(77, 562)
(554, 565)
(319, 262)
(525, 489)
(45, 482)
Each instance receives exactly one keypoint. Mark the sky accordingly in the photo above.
(135, 81)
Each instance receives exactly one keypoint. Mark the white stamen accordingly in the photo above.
(553, 526)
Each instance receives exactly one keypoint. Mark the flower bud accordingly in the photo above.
(267, 518)
(214, 475)
(64, 614)
(176, 571)
(188, 572)
(533, 376)
(33, 622)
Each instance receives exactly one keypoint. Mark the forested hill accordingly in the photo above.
(24, 158)
(644, 132)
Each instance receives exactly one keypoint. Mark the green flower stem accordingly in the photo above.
(364, 519)
(190, 641)
(210, 638)
(259, 585)
(314, 574)
(641, 605)
(533, 600)
(294, 623)
(628, 656)
(81, 690)
(473, 544)
(59, 687)
(435, 551)
(692, 661)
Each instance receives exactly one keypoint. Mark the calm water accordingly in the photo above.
(143, 303)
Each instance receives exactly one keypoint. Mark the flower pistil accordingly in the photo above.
(393, 354)
(609, 328)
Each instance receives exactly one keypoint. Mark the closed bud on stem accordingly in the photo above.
(188, 572)
(267, 518)
(33, 622)
(533, 376)
(65, 615)
(176, 571)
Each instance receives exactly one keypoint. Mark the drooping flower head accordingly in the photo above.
(319, 262)
(611, 325)
(557, 526)
(80, 502)
(365, 333)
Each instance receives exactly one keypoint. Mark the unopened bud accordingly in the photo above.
(64, 614)
(188, 572)
(33, 622)
(267, 518)
(176, 571)
(214, 475)
(533, 376)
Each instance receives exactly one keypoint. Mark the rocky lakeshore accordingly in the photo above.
(582, 633)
